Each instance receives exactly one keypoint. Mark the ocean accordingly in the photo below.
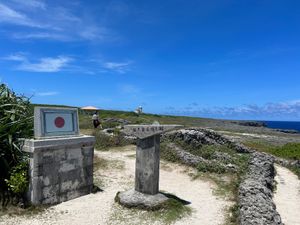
(286, 125)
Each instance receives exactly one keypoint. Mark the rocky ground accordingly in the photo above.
(116, 173)
(260, 200)
(255, 194)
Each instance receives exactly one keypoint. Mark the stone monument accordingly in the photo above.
(60, 159)
(146, 193)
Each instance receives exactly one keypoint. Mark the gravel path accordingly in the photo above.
(118, 175)
(287, 196)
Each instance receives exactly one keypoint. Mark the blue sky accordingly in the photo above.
(221, 59)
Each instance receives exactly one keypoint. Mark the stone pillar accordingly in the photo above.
(147, 165)
(146, 193)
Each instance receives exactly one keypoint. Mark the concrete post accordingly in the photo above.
(147, 165)
(146, 193)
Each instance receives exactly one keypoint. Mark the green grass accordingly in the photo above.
(260, 145)
(12, 210)
(287, 151)
(104, 142)
(169, 212)
(172, 211)
(290, 151)
(209, 152)
(227, 182)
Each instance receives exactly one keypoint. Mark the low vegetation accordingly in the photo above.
(168, 213)
(290, 151)
(15, 125)
(104, 141)
(227, 181)
(171, 211)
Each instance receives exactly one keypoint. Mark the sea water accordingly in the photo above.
(286, 125)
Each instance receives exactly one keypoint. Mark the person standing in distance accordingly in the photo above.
(95, 119)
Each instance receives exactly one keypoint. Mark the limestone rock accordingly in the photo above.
(136, 199)
(255, 192)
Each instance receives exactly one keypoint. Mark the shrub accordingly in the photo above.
(290, 151)
(18, 180)
(15, 124)
(211, 167)
(103, 141)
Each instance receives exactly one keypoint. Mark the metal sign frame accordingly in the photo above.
(41, 130)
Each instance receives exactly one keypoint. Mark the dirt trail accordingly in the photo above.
(287, 196)
(100, 208)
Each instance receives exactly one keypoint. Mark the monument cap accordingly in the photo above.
(144, 131)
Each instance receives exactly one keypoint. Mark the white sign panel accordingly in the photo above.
(58, 122)
(52, 121)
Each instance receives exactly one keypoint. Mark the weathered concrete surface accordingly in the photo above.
(136, 199)
(60, 168)
(145, 131)
(147, 165)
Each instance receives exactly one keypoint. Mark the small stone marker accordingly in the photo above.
(60, 159)
(146, 193)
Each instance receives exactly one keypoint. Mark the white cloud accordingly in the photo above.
(50, 93)
(281, 110)
(9, 15)
(57, 23)
(47, 64)
(42, 35)
(35, 4)
(119, 67)
(16, 57)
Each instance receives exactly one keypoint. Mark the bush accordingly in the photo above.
(15, 124)
(211, 167)
(103, 141)
(18, 180)
(168, 154)
(289, 151)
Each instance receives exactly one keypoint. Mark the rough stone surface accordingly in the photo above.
(147, 165)
(193, 160)
(145, 131)
(136, 199)
(255, 192)
(199, 136)
(60, 169)
(287, 162)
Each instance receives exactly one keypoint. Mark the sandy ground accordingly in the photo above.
(100, 208)
(287, 196)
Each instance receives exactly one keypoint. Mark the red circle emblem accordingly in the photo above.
(59, 122)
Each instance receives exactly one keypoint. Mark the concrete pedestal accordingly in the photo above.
(147, 165)
(146, 193)
(60, 168)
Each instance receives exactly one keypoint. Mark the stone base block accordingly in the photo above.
(60, 169)
(137, 199)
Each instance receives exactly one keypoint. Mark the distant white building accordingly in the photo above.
(139, 110)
